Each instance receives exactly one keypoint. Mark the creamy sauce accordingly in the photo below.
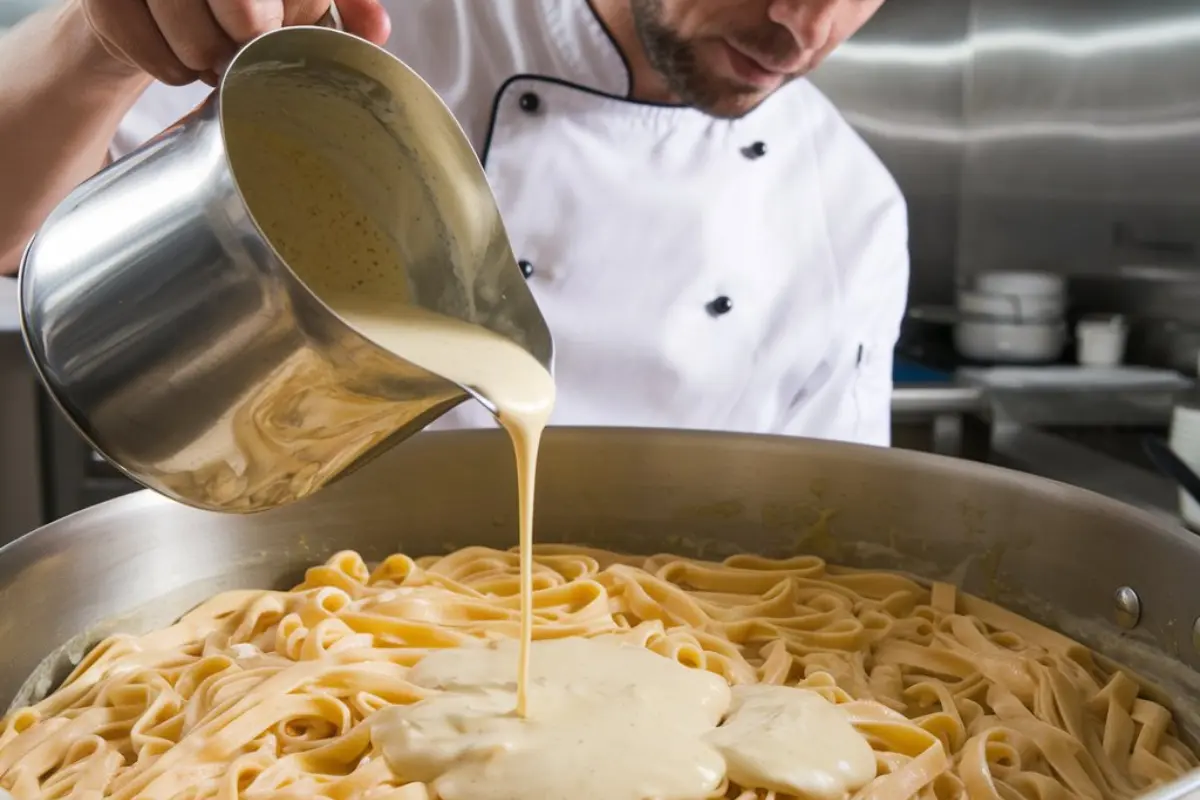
(613, 721)
(605, 720)
(792, 741)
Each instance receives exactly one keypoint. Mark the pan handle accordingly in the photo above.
(1171, 465)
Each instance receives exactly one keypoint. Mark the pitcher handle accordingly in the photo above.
(332, 18)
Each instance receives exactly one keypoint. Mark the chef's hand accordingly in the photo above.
(180, 41)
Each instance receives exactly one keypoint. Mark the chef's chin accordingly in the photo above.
(731, 103)
(704, 72)
(725, 83)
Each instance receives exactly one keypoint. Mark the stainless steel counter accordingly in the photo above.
(916, 400)
(1088, 407)
(947, 419)
(1008, 427)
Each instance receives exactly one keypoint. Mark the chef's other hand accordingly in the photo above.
(180, 41)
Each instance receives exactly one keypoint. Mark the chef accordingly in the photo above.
(711, 244)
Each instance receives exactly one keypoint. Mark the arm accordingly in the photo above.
(61, 100)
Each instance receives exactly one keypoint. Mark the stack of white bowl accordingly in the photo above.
(1012, 318)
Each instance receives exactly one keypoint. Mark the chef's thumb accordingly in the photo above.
(365, 18)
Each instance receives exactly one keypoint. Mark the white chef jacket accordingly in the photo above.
(637, 219)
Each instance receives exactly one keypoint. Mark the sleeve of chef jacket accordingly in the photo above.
(867, 223)
(875, 305)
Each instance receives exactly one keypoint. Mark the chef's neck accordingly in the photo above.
(645, 82)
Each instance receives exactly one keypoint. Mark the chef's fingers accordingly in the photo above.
(242, 20)
(305, 12)
(178, 41)
(245, 19)
(129, 32)
(193, 33)
(366, 18)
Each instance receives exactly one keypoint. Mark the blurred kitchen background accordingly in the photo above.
(1061, 138)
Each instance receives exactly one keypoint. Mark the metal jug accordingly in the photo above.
(170, 330)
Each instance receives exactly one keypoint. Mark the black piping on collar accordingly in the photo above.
(625, 61)
(613, 41)
(528, 76)
(532, 76)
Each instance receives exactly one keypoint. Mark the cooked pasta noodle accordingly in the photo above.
(264, 694)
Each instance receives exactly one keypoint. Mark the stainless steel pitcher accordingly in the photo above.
(169, 329)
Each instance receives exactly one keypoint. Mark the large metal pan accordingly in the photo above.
(1096, 569)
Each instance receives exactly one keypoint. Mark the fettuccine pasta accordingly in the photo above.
(265, 694)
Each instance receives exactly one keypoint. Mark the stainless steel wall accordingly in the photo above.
(902, 83)
(1053, 135)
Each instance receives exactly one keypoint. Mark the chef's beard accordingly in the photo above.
(694, 82)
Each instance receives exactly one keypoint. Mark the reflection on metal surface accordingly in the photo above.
(945, 419)
(1186, 788)
(1059, 135)
(1097, 160)
(1117, 133)
(1128, 607)
(1037, 452)
(939, 399)
(1137, 35)
(890, 84)
(169, 329)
